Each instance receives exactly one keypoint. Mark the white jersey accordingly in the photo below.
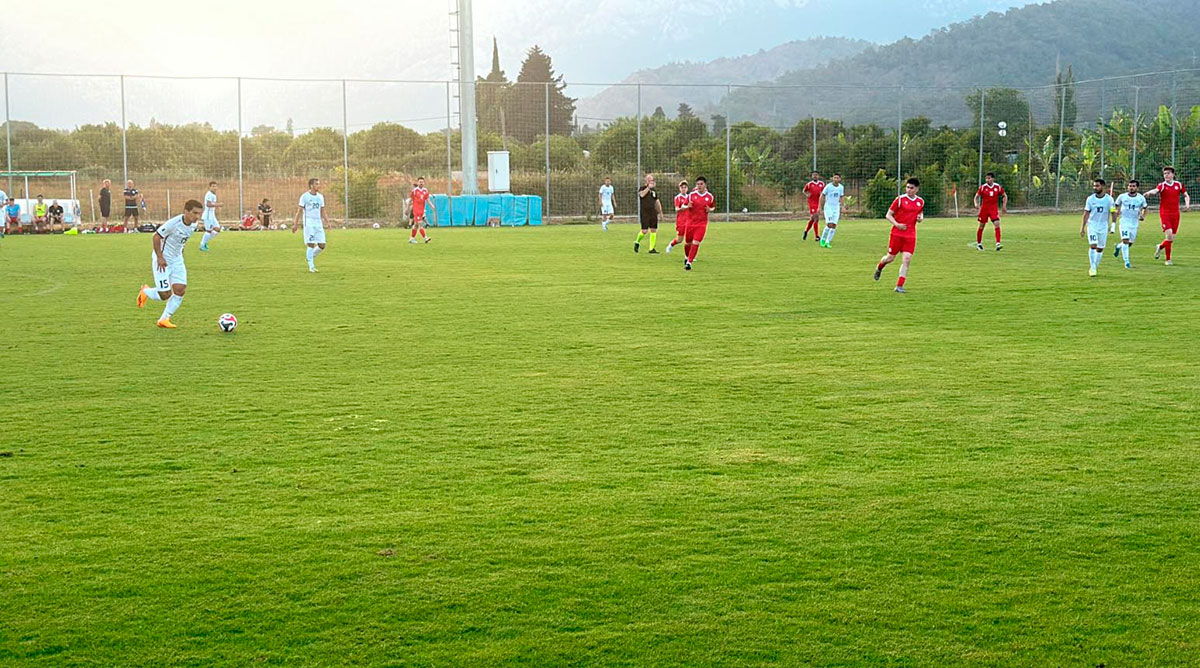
(312, 205)
(606, 195)
(1131, 207)
(833, 196)
(1099, 209)
(210, 213)
(175, 234)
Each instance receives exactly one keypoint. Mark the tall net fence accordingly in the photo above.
(368, 142)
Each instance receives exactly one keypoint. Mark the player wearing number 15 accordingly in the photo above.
(312, 209)
(1096, 215)
(905, 212)
(166, 262)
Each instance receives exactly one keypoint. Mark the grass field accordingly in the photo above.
(533, 447)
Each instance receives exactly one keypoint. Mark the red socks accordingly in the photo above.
(1167, 249)
(997, 234)
(880, 266)
(979, 235)
(900, 282)
(413, 233)
(691, 252)
(422, 232)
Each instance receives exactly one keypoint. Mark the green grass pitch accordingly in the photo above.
(533, 447)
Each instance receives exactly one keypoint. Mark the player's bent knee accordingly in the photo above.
(179, 289)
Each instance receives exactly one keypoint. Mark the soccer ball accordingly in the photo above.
(227, 322)
(745, 210)
(376, 226)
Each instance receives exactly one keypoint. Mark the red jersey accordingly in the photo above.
(700, 203)
(419, 197)
(989, 197)
(813, 189)
(682, 216)
(906, 210)
(1168, 196)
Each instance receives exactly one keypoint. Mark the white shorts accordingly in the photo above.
(174, 274)
(212, 226)
(1097, 236)
(606, 209)
(1129, 232)
(314, 234)
(832, 216)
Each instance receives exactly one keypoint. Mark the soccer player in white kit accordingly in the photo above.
(1131, 207)
(211, 227)
(1096, 216)
(312, 209)
(607, 203)
(831, 203)
(166, 262)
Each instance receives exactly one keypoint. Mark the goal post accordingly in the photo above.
(72, 211)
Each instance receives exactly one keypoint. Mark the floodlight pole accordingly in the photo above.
(899, 139)
(466, 100)
(1062, 120)
(1137, 93)
(7, 134)
(547, 139)
(728, 182)
(639, 150)
(1103, 113)
(449, 159)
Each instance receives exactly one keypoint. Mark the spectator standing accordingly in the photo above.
(133, 199)
(105, 203)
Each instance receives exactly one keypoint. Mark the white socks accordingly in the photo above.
(1125, 253)
(152, 294)
(827, 237)
(1094, 257)
(310, 253)
(205, 239)
(172, 306)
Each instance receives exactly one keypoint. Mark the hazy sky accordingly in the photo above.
(590, 41)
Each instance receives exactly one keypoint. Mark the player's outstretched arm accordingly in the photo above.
(158, 251)
(1004, 204)
(324, 218)
(821, 202)
(1187, 201)
(296, 220)
(1083, 227)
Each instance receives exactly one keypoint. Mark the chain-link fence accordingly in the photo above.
(260, 140)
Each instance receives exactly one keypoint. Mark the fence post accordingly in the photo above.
(345, 159)
(899, 137)
(1137, 94)
(1062, 120)
(1174, 123)
(547, 139)
(7, 135)
(1103, 113)
(241, 197)
(982, 102)
(639, 152)
(728, 124)
(449, 159)
(124, 144)
(813, 114)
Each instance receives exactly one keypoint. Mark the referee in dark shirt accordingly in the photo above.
(649, 211)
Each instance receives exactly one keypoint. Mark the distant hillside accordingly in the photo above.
(763, 66)
(1018, 48)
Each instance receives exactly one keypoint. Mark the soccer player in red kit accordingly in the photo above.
(419, 196)
(904, 214)
(701, 202)
(1168, 193)
(683, 211)
(990, 199)
(813, 189)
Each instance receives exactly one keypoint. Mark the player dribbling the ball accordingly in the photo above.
(166, 262)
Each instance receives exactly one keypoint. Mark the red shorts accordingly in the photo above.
(696, 232)
(901, 243)
(419, 219)
(680, 227)
(1170, 221)
(812, 207)
(986, 216)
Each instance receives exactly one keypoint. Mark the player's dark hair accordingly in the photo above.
(1169, 168)
(1100, 181)
(701, 178)
(420, 178)
(1134, 182)
(914, 181)
(212, 183)
(683, 183)
(991, 174)
(312, 181)
(192, 205)
(835, 174)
